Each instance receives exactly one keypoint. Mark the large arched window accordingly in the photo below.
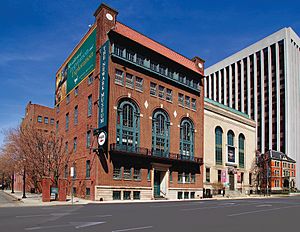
(218, 145)
(128, 125)
(230, 147)
(160, 133)
(186, 139)
(241, 151)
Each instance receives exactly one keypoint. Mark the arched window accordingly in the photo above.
(128, 125)
(186, 139)
(160, 133)
(218, 145)
(230, 147)
(241, 151)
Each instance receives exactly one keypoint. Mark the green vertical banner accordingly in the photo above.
(103, 88)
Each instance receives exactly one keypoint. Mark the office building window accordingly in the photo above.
(153, 87)
(76, 91)
(127, 174)
(67, 121)
(68, 99)
(129, 81)
(169, 95)
(161, 91)
(75, 144)
(139, 83)
(241, 151)
(52, 121)
(181, 99)
(119, 78)
(90, 79)
(218, 145)
(88, 139)
(207, 176)
(186, 139)
(137, 174)
(116, 195)
(187, 101)
(76, 115)
(117, 173)
(46, 120)
(194, 107)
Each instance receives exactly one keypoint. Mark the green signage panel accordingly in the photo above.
(82, 63)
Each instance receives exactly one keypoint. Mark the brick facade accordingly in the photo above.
(99, 183)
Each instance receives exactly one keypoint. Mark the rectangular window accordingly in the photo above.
(87, 191)
(90, 79)
(207, 176)
(186, 195)
(67, 121)
(161, 91)
(116, 195)
(169, 95)
(250, 178)
(136, 195)
(57, 125)
(46, 120)
(88, 169)
(181, 99)
(118, 50)
(171, 177)
(88, 139)
(129, 80)
(187, 178)
(219, 176)
(137, 174)
(193, 178)
(140, 60)
(130, 55)
(149, 175)
(40, 119)
(117, 173)
(153, 89)
(194, 107)
(192, 195)
(76, 91)
(126, 195)
(119, 77)
(76, 115)
(180, 177)
(139, 83)
(127, 174)
(179, 195)
(68, 99)
(75, 144)
(90, 106)
(52, 121)
(187, 102)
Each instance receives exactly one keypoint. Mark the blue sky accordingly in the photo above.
(37, 35)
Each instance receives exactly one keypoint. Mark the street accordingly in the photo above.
(269, 214)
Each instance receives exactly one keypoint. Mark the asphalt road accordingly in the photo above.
(272, 214)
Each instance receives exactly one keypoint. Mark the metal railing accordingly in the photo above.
(115, 147)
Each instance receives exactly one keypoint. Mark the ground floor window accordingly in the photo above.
(126, 195)
(192, 195)
(116, 195)
(87, 191)
(179, 195)
(186, 195)
(136, 195)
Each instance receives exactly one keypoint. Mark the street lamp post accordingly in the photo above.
(24, 183)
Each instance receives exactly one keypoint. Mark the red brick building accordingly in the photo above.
(283, 171)
(146, 102)
(43, 118)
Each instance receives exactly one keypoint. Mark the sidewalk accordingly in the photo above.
(36, 199)
(33, 199)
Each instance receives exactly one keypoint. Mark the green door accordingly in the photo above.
(156, 183)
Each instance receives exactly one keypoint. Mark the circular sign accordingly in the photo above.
(101, 138)
(200, 65)
(109, 17)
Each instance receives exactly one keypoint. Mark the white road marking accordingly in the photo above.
(263, 206)
(177, 205)
(45, 227)
(131, 229)
(216, 207)
(229, 203)
(263, 210)
(87, 224)
(77, 225)
(45, 215)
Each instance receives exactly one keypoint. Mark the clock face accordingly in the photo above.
(101, 138)
(200, 65)
(109, 17)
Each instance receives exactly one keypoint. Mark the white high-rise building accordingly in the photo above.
(263, 81)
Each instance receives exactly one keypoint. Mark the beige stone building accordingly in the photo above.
(229, 149)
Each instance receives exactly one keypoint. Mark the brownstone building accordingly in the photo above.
(131, 111)
(43, 118)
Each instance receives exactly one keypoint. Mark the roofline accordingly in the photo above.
(161, 43)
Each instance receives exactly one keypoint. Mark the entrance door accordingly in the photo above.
(156, 183)
(231, 181)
